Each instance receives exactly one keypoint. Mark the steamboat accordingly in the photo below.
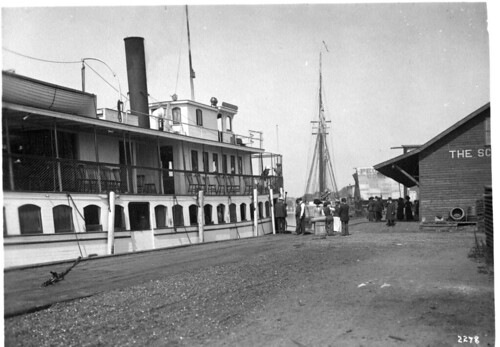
(80, 182)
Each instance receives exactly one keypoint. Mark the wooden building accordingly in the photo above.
(451, 170)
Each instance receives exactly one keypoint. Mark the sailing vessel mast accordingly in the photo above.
(321, 132)
(321, 156)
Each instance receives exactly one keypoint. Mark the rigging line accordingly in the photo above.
(104, 79)
(76, 236)
(335, 188)
(150, 96)
(330, 165)
(312, 172)
(312, 164)
(333, 175)
(310, 145)
(326, 47)
(334, 181)
(331, 154)
(39, 59)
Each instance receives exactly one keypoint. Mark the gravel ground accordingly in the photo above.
(375, 288)
(196, 306)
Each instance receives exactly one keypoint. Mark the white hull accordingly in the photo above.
(25, 250)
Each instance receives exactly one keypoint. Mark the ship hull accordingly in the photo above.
(49, 246)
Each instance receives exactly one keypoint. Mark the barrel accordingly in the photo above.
(319, 225)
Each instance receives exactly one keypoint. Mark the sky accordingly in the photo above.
(393, 73)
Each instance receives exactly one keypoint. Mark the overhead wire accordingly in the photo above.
(39, 59)
(70, 62)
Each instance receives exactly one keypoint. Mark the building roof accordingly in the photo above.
(409, 162)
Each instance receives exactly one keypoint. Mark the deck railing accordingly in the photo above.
(167, 125)
(48, 174)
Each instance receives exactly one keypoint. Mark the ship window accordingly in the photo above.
(63, 219)
(92, 215)
(224, 163)
(232, 213)
(178, 214)
(208, 214)
(243, 211)
(205, 161)
(193, 214)
(199, 117)
(119, 218)
(161, 216)
(268, 212)
(176, 115)
(487, 131)
(139, 215)
(240, 165)
(221, 210)
(194, 161)
(261, 212)
(30, 219)
(215, 162)
(252, 211)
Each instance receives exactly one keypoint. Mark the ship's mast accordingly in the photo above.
(321, 133)
(321, 136)
(191, 71)
(321, 156)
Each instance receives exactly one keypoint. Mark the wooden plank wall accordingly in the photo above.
(488, 216)
(454, 170)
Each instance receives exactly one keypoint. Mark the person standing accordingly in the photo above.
(344, 216)
(280, 214)
(264, 179)
(278, 170)
(416, 208)
(327, 211)
(377, 209)
(401, 209)
(371, 205)
(336, 218)
(408, 209)
(391, 212)
(300, 214)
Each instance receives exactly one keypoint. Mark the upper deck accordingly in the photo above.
(56, 140)
(184, 120)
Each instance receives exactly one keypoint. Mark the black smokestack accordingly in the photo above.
(137, 81)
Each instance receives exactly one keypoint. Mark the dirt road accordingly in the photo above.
(377, 287)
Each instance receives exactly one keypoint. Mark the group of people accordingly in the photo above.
(337, 213)
(402, 209)
(375, 209)
(334, 214)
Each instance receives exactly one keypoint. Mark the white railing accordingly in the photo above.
(167, 125)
